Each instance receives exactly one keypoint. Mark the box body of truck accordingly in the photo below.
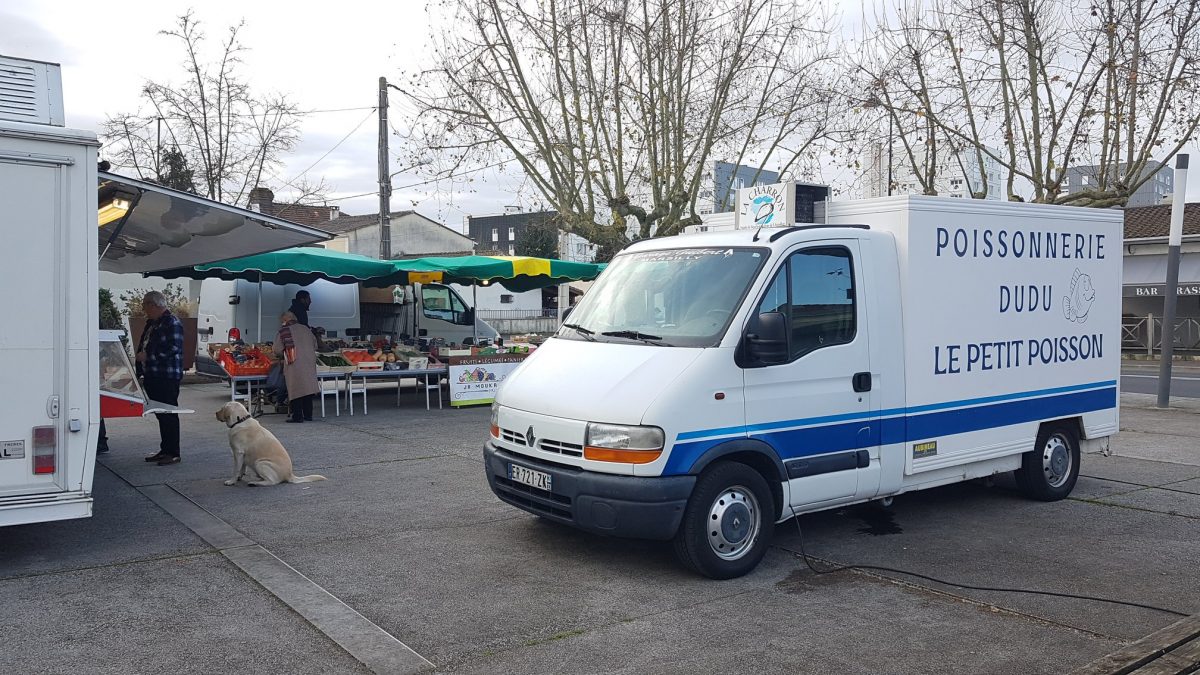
(998, 331)
(63, 219)
(743, 377)
(48, 338)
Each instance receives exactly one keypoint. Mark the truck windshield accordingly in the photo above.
(682, 297)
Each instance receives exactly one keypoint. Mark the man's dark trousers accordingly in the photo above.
(164, 390)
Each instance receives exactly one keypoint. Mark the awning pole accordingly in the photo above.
(260, 307)
(475, 311)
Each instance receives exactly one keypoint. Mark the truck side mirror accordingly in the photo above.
(468, 317)
(766, 339)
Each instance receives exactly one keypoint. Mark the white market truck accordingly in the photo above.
(61, 215)
(341, 309)
(711, 386)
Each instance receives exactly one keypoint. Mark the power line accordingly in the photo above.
(301, 113)
(426, 182)
(335, 147)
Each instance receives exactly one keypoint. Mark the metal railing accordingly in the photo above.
(486, 314)
(1144, 334)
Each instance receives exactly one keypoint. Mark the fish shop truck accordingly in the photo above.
(711, 386)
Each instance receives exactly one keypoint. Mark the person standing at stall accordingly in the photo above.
(160, 355)
(298, 347)
(300, 307)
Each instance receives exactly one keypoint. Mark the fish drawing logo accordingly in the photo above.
(1079, 298)
(764, 209)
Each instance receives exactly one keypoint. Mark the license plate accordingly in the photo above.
(534, 479)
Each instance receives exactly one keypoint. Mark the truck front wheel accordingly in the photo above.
(1049, 471)
(728, 522)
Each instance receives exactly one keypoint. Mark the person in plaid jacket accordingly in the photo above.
(160, 356)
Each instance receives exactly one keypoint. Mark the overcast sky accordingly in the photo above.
(324, 55)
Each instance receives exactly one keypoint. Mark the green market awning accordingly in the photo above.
(516, 273)
(305, 265)
(293, 266)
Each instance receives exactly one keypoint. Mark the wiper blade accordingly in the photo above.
(635, 335)
(586, 333)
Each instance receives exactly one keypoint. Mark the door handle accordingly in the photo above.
(862, 382)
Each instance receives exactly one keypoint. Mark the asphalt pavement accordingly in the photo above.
(1142, 377)
(406, 536)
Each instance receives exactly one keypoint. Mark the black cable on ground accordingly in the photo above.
(878, 568)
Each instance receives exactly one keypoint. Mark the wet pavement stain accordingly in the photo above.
(804, 580)
(877, 522)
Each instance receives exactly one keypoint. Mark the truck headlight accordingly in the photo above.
(495, 420)
(623, 444)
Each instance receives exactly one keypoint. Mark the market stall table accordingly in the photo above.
(250, 381)
(336, 377)
(422, 375)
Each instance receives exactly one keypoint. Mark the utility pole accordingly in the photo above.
(158, 151)
(385, 179)
(891, 145)
(1173, 245)
(564, 289)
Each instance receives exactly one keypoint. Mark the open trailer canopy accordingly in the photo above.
(147, 228)
(293, 266)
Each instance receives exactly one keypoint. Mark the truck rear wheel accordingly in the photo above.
(728, 522)
(1049, 471)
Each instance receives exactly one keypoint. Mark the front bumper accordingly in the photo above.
(621, 506)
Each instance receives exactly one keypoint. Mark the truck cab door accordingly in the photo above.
(444, 314)
(813, 404)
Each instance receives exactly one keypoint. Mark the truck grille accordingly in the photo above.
(561, 447)
(544, 444)
(510, 436)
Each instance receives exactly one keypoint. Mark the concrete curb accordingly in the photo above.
(369, 644)
(1150, 402)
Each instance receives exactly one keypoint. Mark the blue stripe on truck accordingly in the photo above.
(834, 433)
(808, 421)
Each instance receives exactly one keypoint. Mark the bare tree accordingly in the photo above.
(614, 110)
(1039, 86)
(229, 136)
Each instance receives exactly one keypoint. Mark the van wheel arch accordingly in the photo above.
(754, 454)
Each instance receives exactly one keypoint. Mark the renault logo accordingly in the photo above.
(530, 440)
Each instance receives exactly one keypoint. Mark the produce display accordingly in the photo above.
(357, 356)
(240, 359)
(334, 362)
(510, 349)
(384, 355)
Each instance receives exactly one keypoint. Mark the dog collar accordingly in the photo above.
(238, 422)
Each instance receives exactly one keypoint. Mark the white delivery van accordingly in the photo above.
(430, 310)
(343, 310)
(246, 305)
(712, 385)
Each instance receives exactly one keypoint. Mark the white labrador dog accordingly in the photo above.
(257, 454)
